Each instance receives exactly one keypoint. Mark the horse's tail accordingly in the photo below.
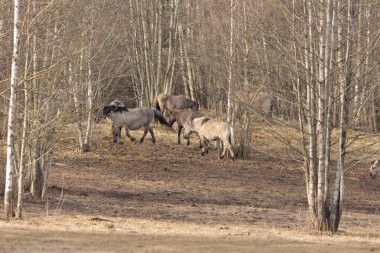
(158, 105)
(160, 118)
(232, 138)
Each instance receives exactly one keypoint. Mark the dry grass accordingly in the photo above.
(165, 197)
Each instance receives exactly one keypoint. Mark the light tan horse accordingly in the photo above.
(131, 119)
(211, 130)
(181, 117)
(170, 103)
(374, 169)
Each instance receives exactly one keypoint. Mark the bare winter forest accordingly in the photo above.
(301, 179)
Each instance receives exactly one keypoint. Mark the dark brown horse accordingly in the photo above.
(181, 117)
(171, 103)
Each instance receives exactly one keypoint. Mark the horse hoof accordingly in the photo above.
(133, 139)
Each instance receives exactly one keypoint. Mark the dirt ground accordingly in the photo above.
(166, 197)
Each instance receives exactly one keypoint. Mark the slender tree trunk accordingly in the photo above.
(336, 208)
(322, 127)
(182, 61)
(329, 98)
(358, 83)
(311, 104)
(11, 112)
(189, 65)
(245, 136)
(78, 113)
(90, 92)
(170, 66)
(159, 85)
(146, 53)
(24, 131)
(230, 105)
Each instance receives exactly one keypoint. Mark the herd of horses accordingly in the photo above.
(185, 112)
(182, 110)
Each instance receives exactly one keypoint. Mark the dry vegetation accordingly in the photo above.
(167, 198)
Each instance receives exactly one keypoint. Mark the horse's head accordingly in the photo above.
(172, 118)
(104, 111)
(100, 114)
(374, 169)
(195, 106)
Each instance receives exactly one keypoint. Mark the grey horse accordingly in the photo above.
(131, 119)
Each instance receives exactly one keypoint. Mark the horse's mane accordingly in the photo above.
(204, 120)
(117, 103)
(120, 109)
(113, 108)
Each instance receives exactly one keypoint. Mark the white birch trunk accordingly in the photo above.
(11, 112)
(230, 112)
(322, 118)
(245, 136)
(169, 73)
(189, 65)
(77, 103)
(329, 97)
(336, 208)
(146, 52)
(159, 85)
(182, 61)
(24, 131)
(311, 103)
(139, 84)
(90, 93)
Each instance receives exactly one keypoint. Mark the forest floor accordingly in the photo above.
(166, 197)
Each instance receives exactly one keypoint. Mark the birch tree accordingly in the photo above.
(230, 67)
(11, 112)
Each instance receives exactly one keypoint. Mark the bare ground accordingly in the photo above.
(165, 197)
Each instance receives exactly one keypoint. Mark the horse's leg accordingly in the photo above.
(200, 142)
(129, 136)
(119, 131)
(225, 147)
(220, 148)
(152, 134)
(232, 153)
(116, 133)
(179, 135)
(204, 146)
(145, 132)
(113, 129)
